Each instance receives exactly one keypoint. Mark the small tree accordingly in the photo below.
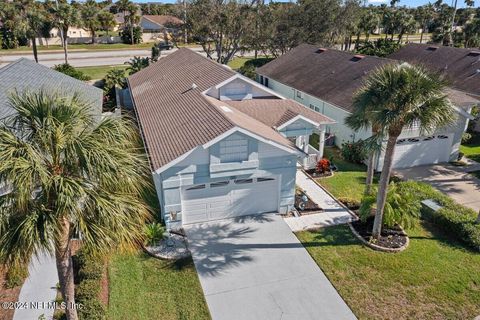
(136, 64)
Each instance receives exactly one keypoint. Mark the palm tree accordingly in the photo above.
(69, 172)
(66, 16)
(133, 19)
(89, 14)
(395, 97)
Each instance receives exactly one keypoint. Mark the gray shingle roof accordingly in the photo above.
(26, 75)
(331, 75)
(460, 66)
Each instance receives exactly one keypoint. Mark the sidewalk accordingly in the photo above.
(40, 286)
(333, 213)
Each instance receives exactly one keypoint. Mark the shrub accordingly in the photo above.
(350, 203)
(90, 273)
(126, 35)
(380, 47)
(153, 233)
(466, 137)
(249, 68)
(92, 309)
(354, 151)
(402, 207)
(323, 165)
(69, 70)
(453, 219)
(16, 275)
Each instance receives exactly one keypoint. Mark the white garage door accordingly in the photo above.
(422, 150)
(229, 198)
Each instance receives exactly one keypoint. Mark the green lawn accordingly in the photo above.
(99, 72)
(142, 287)
(472, 148)
(238, 62)
(348, 181)
(434, 278)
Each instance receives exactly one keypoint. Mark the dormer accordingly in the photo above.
(239, 88)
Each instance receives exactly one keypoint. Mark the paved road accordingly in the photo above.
(254, 268)
(85, 58)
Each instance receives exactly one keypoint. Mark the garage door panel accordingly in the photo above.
(419, 151)
(238, 197)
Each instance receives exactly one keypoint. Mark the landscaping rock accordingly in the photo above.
(172, 248)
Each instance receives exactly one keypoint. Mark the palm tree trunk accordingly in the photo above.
(65, 270)
(93, 36)
(383, 184)
(370, 171)
(34, 47)
(65, 44)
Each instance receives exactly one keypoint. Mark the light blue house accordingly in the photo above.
(325, 81)
(220, 145)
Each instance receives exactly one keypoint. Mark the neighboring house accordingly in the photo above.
(326, 80)
(158, 23)
(220, 145)
(26, 75)
(460, 66)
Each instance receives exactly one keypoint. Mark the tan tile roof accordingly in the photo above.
(275, 112)
(174, 118)
(162, 20)
(248, 123)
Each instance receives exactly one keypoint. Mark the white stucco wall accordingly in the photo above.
(195, 169)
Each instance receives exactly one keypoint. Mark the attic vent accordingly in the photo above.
(320, 50)
(474, 53)
(357, 57)
(432, 48)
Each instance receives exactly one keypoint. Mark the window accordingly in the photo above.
(264, 179)
(299, 94)
(234, 150)
(428, 138)
(261, 79)
(312, 107)
(266, 82)
(197, 187)
(243, 181)
(400, 141)
(218, 184)
(413, 140)
(442, 136)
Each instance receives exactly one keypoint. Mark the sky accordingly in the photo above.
(408, 3)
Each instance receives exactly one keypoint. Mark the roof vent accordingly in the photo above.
(432, 48)
(474, 53)
(194, 86)
(226, 109)
(357, 57)
(320, 50)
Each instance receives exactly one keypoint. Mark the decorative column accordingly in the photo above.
(305, 149)
(321, 143)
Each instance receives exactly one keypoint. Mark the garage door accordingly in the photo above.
(229, 198)
(418, 151)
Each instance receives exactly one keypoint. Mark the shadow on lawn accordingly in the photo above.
(332, 236)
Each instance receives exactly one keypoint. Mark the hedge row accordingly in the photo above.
(454, 219)
(87, 292)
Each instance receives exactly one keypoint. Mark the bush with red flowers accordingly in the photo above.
(323, 166)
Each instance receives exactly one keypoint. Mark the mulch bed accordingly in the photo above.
(313, 174)
(7, 295)
(390, 238)
(310, 207)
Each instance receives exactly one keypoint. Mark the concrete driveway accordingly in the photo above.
(453, 181)
(255, 268)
